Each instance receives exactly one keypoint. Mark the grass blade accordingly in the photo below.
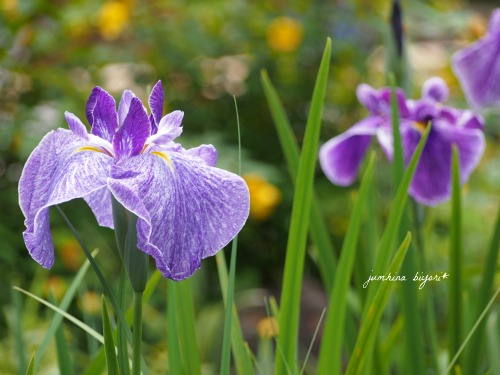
(392, 227)
(63, 356)
(65, 302)
(455, 285)
(123, 358)
(473, 329)
(489, 269)
(242, 361)
(331, 346)
(20, 346)
(296, 247)
(493, 344)
(368, 330)
(226, 340)
(31, 366)
(96, 335)
(109, 342)
(318, 229)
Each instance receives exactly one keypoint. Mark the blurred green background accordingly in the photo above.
(52, 53)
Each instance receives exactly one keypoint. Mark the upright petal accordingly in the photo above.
(101, 114)
(129, 140)
(341, 157)
(76, 125)
(435, 88)
(156, 99)
(478, 69)
(187, 211)
(55, 173)
(169, 128)
(124, 106)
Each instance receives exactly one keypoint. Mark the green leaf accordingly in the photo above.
(63, 356)
(319, 232)
(96, 335)
(174, 354)
(297, 239)
(398, 206)
(123, 358)
(485, 289)
(31, 366)
(493, 343)
(368, 330)
(18, 331)
(186, 326)
(455, 284)
(333, 333)
(109, 342)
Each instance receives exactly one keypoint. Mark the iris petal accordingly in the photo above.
(53, 174)
(101, 114)
(129, 140)
(431, 183)
(341, 157)
(156, 99)
(187, 211)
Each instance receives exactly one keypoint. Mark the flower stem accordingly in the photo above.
(137, 332)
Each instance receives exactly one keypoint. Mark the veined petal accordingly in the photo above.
(431, 183)
(156, 99)
(187, 211)
(478, 69)
(124, 106)
(55, 173)
(341, 157)
(99, 202)
(129, 140)
(207, 153)
(169, 128)
(76, 125)
(101, 114)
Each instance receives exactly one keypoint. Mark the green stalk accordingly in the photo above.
(454, 296)
(137, 334)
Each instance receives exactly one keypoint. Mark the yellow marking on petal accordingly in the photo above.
(89, 148)
(164, 157)
(420, 126)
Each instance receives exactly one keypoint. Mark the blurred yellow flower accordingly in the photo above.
(57, 285)
(90, 303)
(71, 255)
(284, 34)
(267, 327)
(10, 9)
(113, 19)
(264, 197)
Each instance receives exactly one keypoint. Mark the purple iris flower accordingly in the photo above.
(341, 157)
(187, 208)
(477, 67)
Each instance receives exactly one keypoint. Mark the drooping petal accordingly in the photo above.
(187, 211)
(156, 99)
(431, 183)
(169, 128)
(341, 157)
(477, 67)
(124, 106)
(55, 173)
(101, 114)
(99, 202)
(129, 140)
(76, 125)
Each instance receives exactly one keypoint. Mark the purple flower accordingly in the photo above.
(187, 208)
(477, 67)
(341, 157)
